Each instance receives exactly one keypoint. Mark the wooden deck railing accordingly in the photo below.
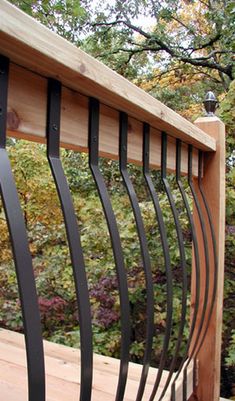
(52, 92)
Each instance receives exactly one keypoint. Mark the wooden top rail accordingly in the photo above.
(30, 45)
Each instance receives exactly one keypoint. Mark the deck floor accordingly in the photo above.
(62, 369)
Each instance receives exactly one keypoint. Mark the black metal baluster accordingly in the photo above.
(144, 250)
(182, 260)
(166, 254)
(214, 244)
(76, 254)
(116, 244)
(197, 263)
(21, 254)
(206, 255)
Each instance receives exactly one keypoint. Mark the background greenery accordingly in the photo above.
(177, 51)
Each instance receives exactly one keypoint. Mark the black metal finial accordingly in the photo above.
(210, 103)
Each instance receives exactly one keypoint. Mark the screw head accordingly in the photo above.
(55, 127)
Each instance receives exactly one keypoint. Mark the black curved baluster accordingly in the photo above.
(21, 254)
(116, 244)
(197, 260)
(76, 254)
(166, 254)
(214, 244)
(144, 250)
(182, 261)
(206, 255)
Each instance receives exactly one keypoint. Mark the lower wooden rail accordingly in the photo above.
(62, 373)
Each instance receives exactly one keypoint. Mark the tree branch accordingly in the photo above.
(127, 24)
(184, 25)
(214, 53)
(198, 72)
(155, 44)
(204, 3)
(209, 43)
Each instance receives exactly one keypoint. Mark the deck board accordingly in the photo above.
(63, 375)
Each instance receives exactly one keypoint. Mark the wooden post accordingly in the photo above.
(208, 383)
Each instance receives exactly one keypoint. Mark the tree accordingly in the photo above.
(135, 36)
(175, 50)
(227, 113)
(61, 16)
(193, 33)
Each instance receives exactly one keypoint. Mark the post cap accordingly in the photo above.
(210, 103)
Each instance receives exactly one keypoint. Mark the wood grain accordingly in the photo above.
(213, 183)
(31, 45)
(62, 369)
(27, 120)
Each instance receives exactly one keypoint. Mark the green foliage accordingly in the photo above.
(192, 34)
(51, 259)
(137, 38)
(227, 114)
(61, 16)
(53, 271)
(230, 360)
